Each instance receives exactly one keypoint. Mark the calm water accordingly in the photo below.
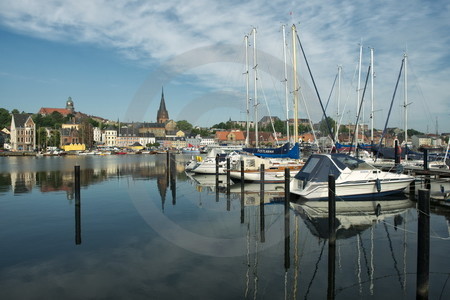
(140, 233)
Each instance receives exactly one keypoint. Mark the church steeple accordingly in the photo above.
(163, 115)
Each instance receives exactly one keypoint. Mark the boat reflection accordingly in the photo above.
(352, 217)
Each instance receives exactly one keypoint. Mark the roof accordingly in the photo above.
(20, 119)
(49, 111)
(223, 135)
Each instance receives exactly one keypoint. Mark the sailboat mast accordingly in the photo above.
(294, 59)
(405, 103)
(286, 91)
(247, 84)
(371, 94)
(357, 93)
(256, 87)
(338, 102)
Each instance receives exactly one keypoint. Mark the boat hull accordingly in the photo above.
(350, 190)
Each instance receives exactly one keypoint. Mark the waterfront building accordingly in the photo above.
(23, 133)
(97, 135)
(109, 137)
(235, 137)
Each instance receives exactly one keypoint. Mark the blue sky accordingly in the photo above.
(113, 57)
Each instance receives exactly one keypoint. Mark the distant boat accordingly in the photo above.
(190, 149)
(354, 178)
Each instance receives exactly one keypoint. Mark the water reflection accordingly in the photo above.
(243, 239)
(29, 174)
(352, 217)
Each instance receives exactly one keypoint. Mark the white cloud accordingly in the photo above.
(152, 32)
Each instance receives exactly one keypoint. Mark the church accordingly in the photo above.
(163, 124)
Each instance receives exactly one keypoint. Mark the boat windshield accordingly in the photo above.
(317, 169)
(352, 163)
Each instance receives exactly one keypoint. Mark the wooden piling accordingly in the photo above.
(423, 244)
(228, 176)
(331, 208)
(287, 193)
(261, 205)
(77, 206)
(412, 190)
(425, 159)
(217, 171)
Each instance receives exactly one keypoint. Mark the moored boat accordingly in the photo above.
(354, 178)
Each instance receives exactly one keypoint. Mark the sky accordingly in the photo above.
(113, 58)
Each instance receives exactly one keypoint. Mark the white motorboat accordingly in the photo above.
(208, 165)
(354, 178)
(274, 168)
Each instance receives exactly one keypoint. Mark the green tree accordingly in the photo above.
(184, 126)
(5, 118)
(42, 138)
(15, 111)
(323, 126)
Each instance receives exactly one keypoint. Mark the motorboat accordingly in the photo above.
(354, 178)
(274, 169)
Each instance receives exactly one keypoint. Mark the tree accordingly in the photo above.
(15, 111)
(184, 126)
(323, 126)
(42, 138)
(5, 118)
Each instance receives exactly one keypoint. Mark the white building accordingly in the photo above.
(109, 137)
(23, 132)
(97, 135)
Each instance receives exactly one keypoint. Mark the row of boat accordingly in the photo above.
(354, 177)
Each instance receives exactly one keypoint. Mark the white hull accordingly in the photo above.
(319, 190)
(255, 176)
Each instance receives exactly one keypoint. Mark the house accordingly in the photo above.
(420, 141)
(23, 133)
(263, 138)
(109, 137)
(235, 137)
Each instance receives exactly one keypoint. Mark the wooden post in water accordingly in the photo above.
(77, 206)
(332, 236)
(242, 193)
(287, 194)
(217, 170)
(332, 208)
(173, 178)
(228, 176)
(425, 159)
(423, 244)
(217, 178)
(412, 190)
(261, 205)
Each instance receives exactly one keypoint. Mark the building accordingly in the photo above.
(23, 133)
(69, 110)
(109, 137)
(235, 137)
(163, 115)
(420, 141)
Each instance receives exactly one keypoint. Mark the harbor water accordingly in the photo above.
(140, 229)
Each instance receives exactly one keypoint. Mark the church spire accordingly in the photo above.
(163, 115)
